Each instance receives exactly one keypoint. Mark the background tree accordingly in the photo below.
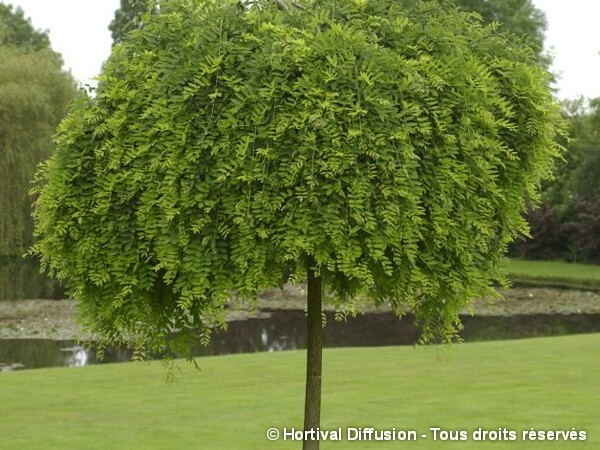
(577, 176)
(519, 17)
(360, 146)
(34, 93)
(566, 227)
(128, 17)
(16, 30)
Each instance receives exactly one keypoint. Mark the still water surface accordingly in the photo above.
(285, 330)
(273, 331)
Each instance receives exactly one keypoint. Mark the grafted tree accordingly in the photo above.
(359, 145)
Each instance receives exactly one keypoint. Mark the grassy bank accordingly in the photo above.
(554, 274)
(549, 383)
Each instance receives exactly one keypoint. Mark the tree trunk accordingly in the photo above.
(312, 405)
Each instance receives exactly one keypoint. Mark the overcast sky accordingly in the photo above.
(79, 31)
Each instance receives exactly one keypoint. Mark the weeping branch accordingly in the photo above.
(298, 5)
(283, 5)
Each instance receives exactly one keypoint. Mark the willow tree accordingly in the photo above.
(355, 144)
(34, 94)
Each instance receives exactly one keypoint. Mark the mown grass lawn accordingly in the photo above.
(549, 383)
(555, 273)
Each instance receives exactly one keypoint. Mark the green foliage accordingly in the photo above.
(227, 146)
(519, 17)
(17, 31)
(21, 279)
(34, 93)
(567, 225)
(577, 175)
(128, 17)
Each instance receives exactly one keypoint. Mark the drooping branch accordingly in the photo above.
(283, 5)
(298, 5)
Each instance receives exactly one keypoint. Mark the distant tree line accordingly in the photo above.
(34, 94)
(567, 225)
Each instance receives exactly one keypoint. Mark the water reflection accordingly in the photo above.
(78, 356)
(11, 367)
(37, 353)
(285, 330)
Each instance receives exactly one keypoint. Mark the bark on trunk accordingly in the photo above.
(312, 405)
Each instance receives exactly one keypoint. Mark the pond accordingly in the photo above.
(285, 330)
(278, 329)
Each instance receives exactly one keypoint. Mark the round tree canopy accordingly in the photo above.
(229, 144)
